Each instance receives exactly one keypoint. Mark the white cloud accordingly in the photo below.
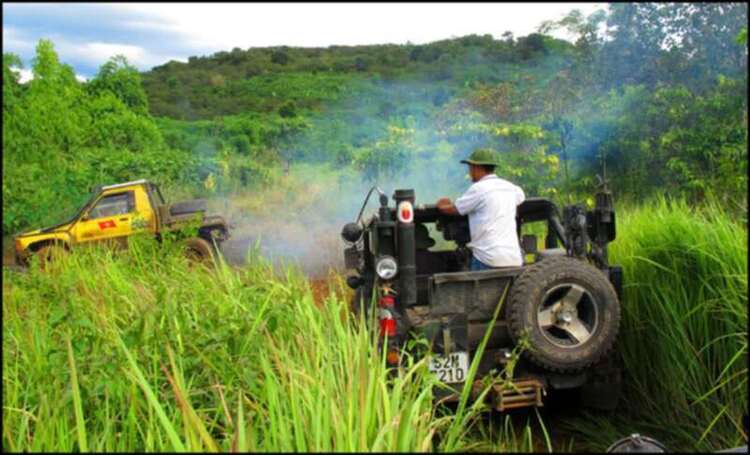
(27, 75)
(14, 39)
(98, 52)
(214, 27)
(101, 52)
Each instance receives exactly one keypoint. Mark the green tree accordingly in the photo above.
(652, 42)
(279, 57)
(124, 81)
(11, 79)
(54, 111)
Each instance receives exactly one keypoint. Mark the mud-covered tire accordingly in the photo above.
(48, 254)
(555, 283)
(199, 250)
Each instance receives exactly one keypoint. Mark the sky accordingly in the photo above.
(85, 35)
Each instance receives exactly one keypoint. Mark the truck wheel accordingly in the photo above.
(199, 250)
(569, 310)
(48, 254)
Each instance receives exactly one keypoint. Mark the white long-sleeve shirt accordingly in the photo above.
(491, 205)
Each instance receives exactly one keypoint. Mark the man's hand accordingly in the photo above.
(446, 207)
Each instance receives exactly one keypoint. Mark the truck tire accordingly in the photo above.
(199, 250)
(48, 254)
(569, 310)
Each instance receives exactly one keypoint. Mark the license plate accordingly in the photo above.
(450, 368)
(352, 258)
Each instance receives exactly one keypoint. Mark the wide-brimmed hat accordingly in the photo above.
(484, 157)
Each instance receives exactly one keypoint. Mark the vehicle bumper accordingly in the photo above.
(22, 258)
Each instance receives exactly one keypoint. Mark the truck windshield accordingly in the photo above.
(73, 209)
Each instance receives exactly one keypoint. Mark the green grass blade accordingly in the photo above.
(152, 400)
(77, 407)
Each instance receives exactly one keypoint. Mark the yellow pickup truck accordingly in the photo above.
(115, 212)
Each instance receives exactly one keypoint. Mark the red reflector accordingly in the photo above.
(388, 327)
(392, 357)
(405, 212)
(387, 301)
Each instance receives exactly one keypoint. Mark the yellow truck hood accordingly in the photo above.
(47, 230)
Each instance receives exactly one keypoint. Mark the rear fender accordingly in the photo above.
(218, 232)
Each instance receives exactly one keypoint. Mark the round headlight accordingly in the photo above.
(386, 267)
(351, 232)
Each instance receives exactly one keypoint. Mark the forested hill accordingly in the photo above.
(656, 93)
(264, 79)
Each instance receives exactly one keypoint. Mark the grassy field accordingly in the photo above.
(142, 351)
(684, 330)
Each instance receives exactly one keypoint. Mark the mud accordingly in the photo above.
(9, 257)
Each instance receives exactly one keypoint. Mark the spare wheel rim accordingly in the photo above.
(568, 316)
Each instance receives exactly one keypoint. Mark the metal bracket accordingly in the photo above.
(519, 393)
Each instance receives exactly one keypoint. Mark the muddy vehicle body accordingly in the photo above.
(563, 303)
(115, 212)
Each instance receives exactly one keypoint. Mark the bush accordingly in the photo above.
(279, 57)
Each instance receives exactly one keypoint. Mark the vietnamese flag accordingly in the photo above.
(107, 224)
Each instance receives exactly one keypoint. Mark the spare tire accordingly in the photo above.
(186, 207)
(569, 310)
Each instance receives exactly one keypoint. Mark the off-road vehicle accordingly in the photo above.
(115, 212)
(563, 303)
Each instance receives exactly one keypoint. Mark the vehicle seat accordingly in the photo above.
(422, 239)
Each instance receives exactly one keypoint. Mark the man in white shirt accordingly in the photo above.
(490, 202)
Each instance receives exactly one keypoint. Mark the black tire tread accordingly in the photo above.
(202, 247)
(535, 278)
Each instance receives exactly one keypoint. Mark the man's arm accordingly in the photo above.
(520, 196)
(470, 201)
(446, 207)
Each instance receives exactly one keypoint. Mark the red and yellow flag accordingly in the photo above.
(107, 224)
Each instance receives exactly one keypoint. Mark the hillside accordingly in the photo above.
(266, 79)
(659, 99)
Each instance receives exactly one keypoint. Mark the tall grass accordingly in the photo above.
(684, 329)
(141, 351)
